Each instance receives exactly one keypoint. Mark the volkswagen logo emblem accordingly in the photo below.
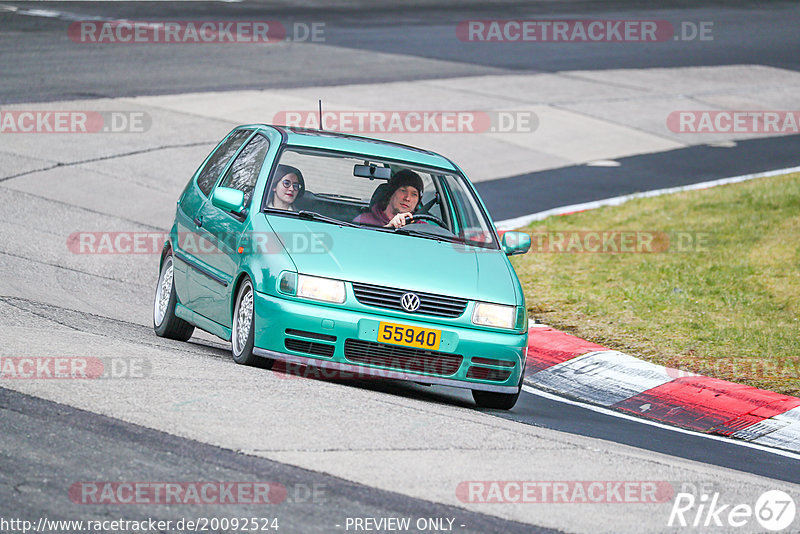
(409, 302)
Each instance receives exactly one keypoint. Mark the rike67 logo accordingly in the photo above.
(774, 511)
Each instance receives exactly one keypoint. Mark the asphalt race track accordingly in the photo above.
(344, 456)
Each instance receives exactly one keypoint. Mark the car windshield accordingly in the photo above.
(356, 189)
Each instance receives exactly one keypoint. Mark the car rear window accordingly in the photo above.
(219, 159)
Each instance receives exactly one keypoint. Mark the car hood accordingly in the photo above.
(394, 260)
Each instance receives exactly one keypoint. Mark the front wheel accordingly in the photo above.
(165, 322)
(243, 331)
(496, 401)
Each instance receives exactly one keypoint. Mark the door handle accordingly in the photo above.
(198, 221)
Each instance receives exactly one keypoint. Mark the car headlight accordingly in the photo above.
(495, 315)
(324, 289)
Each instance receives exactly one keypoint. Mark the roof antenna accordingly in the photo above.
(320, 115)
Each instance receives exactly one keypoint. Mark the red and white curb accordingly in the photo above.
(579, 369)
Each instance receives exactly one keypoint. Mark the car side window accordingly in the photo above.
(208, 176)
(243, 173)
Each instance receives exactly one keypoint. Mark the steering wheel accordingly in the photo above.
(431, 218)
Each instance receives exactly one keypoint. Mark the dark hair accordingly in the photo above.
(402, 178)
(282, 171)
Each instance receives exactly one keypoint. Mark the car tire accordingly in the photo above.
(496, 401)
(165, 322)
(243, 328)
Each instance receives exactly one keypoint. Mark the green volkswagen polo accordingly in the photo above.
(347, 253)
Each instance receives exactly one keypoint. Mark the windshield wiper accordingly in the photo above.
(314, 216)
(429, 235)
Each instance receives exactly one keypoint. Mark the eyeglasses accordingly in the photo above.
(288, 183)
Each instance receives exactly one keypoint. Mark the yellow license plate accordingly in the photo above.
(409, 336)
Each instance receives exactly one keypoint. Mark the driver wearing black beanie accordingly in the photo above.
(402, 179)
(402, 197)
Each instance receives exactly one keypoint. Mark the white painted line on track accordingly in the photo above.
(607, 411)
(517, 222)
(53, 14)
(75, 17)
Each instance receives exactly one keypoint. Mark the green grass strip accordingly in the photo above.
(706, 281)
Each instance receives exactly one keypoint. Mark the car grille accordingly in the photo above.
(309, 347)
(389, 298)
(484, 373)
(402, 358)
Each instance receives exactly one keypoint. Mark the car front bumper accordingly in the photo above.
(308, 334)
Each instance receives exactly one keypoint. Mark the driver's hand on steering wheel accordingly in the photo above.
(400, 220)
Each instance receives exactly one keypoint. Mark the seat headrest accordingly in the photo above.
(379, 194)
